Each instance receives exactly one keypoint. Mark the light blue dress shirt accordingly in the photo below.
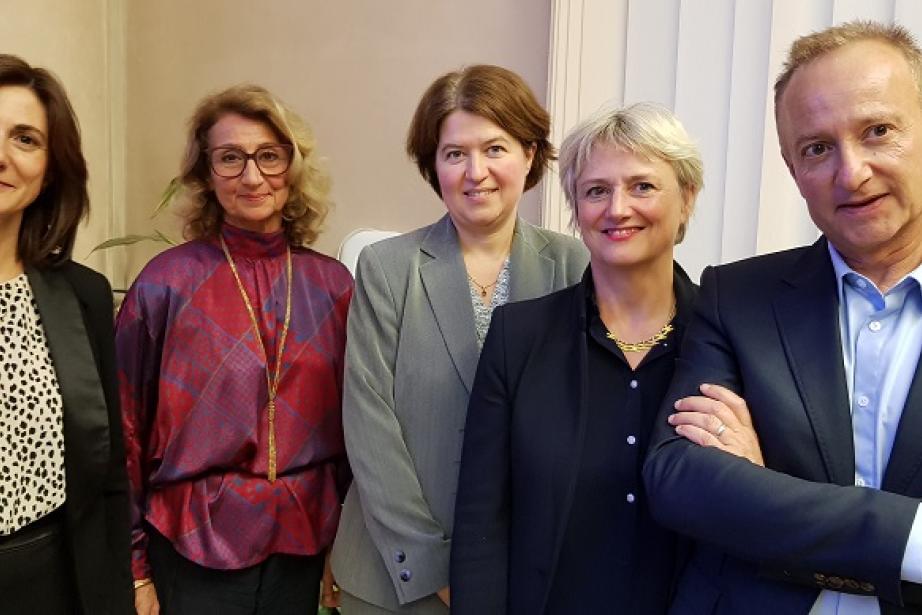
(881, 336)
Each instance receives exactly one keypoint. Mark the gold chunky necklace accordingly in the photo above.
(272, 377)
(648, 343)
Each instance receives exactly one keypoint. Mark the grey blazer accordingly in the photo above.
(411, 356)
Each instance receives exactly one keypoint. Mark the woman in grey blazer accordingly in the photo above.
(421, 308)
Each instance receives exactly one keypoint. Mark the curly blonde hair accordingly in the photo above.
(309, 185)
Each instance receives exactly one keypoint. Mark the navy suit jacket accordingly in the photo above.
(523, 442)
(771, 538)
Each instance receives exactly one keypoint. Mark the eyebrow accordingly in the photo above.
(243, 149)
(647, 177)
(490, 141)
(27, 128)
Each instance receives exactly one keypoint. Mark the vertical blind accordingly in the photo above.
(713, 62)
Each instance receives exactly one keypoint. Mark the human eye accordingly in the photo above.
(595, 193)
(268, 154)
(644, 187)
(27, 141)
(230, 156)
(453, 155)
(496, 150)
(879, 130)
(814, 150)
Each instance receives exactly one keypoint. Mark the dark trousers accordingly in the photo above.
(36, 573)
(281, 585)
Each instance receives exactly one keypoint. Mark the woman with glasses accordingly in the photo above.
(230, 354)
(63, 492)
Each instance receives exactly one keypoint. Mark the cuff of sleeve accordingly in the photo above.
(140, 567)
(417, 573)
(911, 569)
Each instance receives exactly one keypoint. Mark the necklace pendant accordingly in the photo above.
(483, 292)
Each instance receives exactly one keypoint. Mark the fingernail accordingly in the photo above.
(671, 419)
(705, 387)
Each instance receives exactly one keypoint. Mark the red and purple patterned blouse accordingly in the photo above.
(193, 392)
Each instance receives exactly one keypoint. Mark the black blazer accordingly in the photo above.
(525, 430)
(75, 304)
(771, 539)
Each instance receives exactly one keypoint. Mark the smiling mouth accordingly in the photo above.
(621, 233)
(479, 192)
(859, 204)
(4, 184)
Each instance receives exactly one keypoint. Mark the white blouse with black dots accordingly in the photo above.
(32, 418)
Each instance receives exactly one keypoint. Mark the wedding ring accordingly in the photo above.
(720, 430)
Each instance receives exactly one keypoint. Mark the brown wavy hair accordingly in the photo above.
(493, 92)
(49, 223)
(309, 185)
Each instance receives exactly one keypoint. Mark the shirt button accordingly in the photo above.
(400, 557)
(630, 498)
(633, 384)
(631, 440)
(874, 326)
(863, 401)
(405, 575)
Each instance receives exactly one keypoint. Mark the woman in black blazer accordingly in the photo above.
(63, 502)
(551, 515)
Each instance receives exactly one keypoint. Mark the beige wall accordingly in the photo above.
(75, 41)
(354, 69)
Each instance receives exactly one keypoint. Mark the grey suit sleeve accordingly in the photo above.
(757, 514)
(398, 518)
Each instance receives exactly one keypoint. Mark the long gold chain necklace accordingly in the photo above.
(272, 377)
(648, 343)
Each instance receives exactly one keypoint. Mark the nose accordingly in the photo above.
(476, 168)
(251, 176)
(618, 206)
(853, 168)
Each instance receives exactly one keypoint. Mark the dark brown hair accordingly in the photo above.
(309, 185)
(492, 92)
(49, 223)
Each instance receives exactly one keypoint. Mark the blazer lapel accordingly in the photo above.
(531, 273)
(445, 282)
(808, 322)
(86, 422)
(906, 455)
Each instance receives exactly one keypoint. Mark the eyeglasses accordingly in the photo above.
(231, 161)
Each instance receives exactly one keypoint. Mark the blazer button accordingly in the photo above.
(405, 575)
(400, 557)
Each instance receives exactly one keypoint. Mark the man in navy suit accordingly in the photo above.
(823, 343)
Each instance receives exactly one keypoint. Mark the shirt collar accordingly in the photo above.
(845, 274)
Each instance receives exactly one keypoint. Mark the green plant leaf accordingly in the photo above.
(169, 193)
(128, 240)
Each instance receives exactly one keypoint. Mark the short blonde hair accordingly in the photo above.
(647, 129)
(309, 185)
(812, 46)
